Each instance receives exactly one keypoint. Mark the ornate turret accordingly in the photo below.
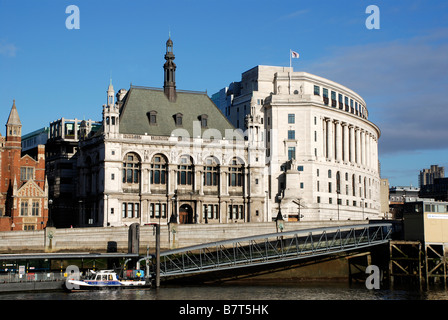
(111, 114)
(14, 126)
(169, 84)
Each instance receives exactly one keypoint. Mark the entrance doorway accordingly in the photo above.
(185, 214)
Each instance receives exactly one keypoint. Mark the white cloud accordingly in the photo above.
(7, 49)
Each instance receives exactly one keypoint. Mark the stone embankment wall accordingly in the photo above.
(99, 239)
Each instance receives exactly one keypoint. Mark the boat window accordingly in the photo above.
(110, 277)
(105, 277)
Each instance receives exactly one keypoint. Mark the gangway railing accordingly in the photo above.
(271, 248)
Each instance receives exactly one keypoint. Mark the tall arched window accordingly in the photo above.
(131, 169)
(211, 172)
(185, 171)
(236, 173)
(158, 169)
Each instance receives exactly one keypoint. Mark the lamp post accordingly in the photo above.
(362, 202)
(338, 192)
(279, 222)
(50, 221)
(173, 221)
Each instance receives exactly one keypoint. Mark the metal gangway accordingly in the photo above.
(271, 248)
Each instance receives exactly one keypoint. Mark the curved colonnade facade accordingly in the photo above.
(322, 151)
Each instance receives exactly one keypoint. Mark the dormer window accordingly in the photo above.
(152, 117)
(204, 121)
(178, 118)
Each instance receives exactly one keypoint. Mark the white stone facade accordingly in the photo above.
(205, 179)
(321, 149)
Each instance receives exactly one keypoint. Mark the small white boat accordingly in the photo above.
(106, 279)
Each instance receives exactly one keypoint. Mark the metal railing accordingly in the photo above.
(14, 277)
(271, 248)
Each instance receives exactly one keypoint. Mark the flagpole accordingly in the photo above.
(290, 54)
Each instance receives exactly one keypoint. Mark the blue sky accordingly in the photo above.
(400, 69)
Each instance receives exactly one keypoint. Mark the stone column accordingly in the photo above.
(330, 145)
(357, 146)
(338, 141)
(324, 138)
(352, 143)
(346, 141)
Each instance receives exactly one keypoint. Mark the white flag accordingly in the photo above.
(294, 54)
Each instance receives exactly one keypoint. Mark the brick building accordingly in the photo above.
(24, 196)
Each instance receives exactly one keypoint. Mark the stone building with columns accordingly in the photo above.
(164, 154)
(321, 149)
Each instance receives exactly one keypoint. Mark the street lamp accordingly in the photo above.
(362, 201)
(50, 221)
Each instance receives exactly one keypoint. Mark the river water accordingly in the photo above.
(282, 291)
(277, 299)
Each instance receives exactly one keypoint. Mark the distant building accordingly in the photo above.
(24, 190)
(400, 194)
(438, 190)
(427, 176)
(61, 167)
(384, 198)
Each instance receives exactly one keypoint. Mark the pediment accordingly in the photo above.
(30, 189)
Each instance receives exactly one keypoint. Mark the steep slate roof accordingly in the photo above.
(141, 100)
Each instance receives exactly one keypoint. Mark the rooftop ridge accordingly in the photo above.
(161, 89)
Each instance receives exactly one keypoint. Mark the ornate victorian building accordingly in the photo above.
(165, 154)
(24, 195)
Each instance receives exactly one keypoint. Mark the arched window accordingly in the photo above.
(236, 173)
(158, 169)
(185, 171)
(211, 172)
(131, 169)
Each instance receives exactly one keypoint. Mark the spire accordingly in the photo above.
(14, 116)
(13, 126)
(169, 67)
(110, 93)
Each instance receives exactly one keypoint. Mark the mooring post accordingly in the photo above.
(157, 255)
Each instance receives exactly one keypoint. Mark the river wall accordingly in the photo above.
(116, 238)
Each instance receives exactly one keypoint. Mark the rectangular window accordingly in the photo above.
(325, 93)
(301, 185)
(300, 168)
(291, 118)
(318, 199)
(26, 173)
(136, 210)
(316, 90)
(291, 153)
(35, 209)
(291, 134)
(24, 208)
(130, 210)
